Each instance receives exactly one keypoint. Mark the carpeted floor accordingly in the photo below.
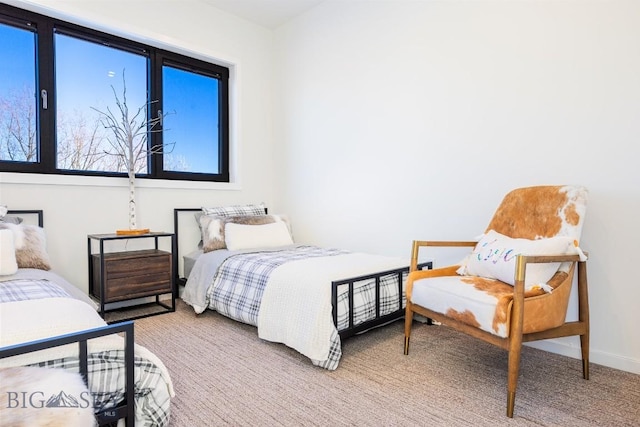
(225, 375)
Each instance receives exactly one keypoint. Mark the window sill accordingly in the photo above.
(104, 181)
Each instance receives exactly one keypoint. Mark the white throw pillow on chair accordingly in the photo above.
(494, 257)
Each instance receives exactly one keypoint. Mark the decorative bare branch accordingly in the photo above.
(128, 139)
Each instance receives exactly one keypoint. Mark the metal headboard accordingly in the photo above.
(176, 254)
(37, 212)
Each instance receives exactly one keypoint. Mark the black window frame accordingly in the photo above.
(45, 28)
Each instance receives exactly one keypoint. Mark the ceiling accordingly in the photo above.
(267, 13)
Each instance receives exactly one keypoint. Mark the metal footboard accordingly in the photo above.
(126, 408)
(379, 319)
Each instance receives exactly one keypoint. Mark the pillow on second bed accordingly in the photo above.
(226, 211)
(240, 236)
(213, 228)
(235, 210)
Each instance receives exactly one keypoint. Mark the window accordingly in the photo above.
(72, 99)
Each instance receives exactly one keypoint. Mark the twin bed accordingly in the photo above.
(247, 267)
(47, 322)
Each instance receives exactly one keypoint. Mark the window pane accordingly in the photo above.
(191, 122)
(101, 106)
(18, 114)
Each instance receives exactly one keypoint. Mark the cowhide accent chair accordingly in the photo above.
(514, 286)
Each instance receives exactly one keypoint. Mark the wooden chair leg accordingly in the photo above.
(583, 314)
(408, 321)
(515, 349)
(584, 347)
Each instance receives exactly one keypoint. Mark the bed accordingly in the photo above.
(246, 266)
(47, 322)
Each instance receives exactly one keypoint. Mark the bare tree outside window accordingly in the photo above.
(80, 144)
(18, 133)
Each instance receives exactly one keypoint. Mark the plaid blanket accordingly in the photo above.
(106, 376)
(21, 290)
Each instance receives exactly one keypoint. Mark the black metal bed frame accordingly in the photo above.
(38, 212)
(352, 329)
(123, 410)
(179, 281)
(110, 416)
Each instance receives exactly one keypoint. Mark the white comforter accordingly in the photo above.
(296, 304)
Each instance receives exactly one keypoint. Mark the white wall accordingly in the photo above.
(401, 120)
(77, 206)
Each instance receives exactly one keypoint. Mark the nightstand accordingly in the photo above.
(127, 275)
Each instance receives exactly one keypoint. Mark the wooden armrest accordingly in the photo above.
(454, 243)
(436, 272)
(417, 244)
(523, 260)
(540, 259)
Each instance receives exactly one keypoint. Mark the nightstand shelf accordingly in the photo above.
(128, 275)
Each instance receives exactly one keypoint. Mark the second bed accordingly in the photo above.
(306, 297)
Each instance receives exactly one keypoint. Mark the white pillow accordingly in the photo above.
(495, 254)
(213, 228)
(8, 263)
(240, 236)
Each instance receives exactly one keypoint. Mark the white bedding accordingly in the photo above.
(30, 320)
(296, 304)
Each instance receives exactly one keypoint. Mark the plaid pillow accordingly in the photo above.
(236, 210)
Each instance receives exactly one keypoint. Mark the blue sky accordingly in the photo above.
(17, 59)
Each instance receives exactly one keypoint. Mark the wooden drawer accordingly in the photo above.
(132, 274)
